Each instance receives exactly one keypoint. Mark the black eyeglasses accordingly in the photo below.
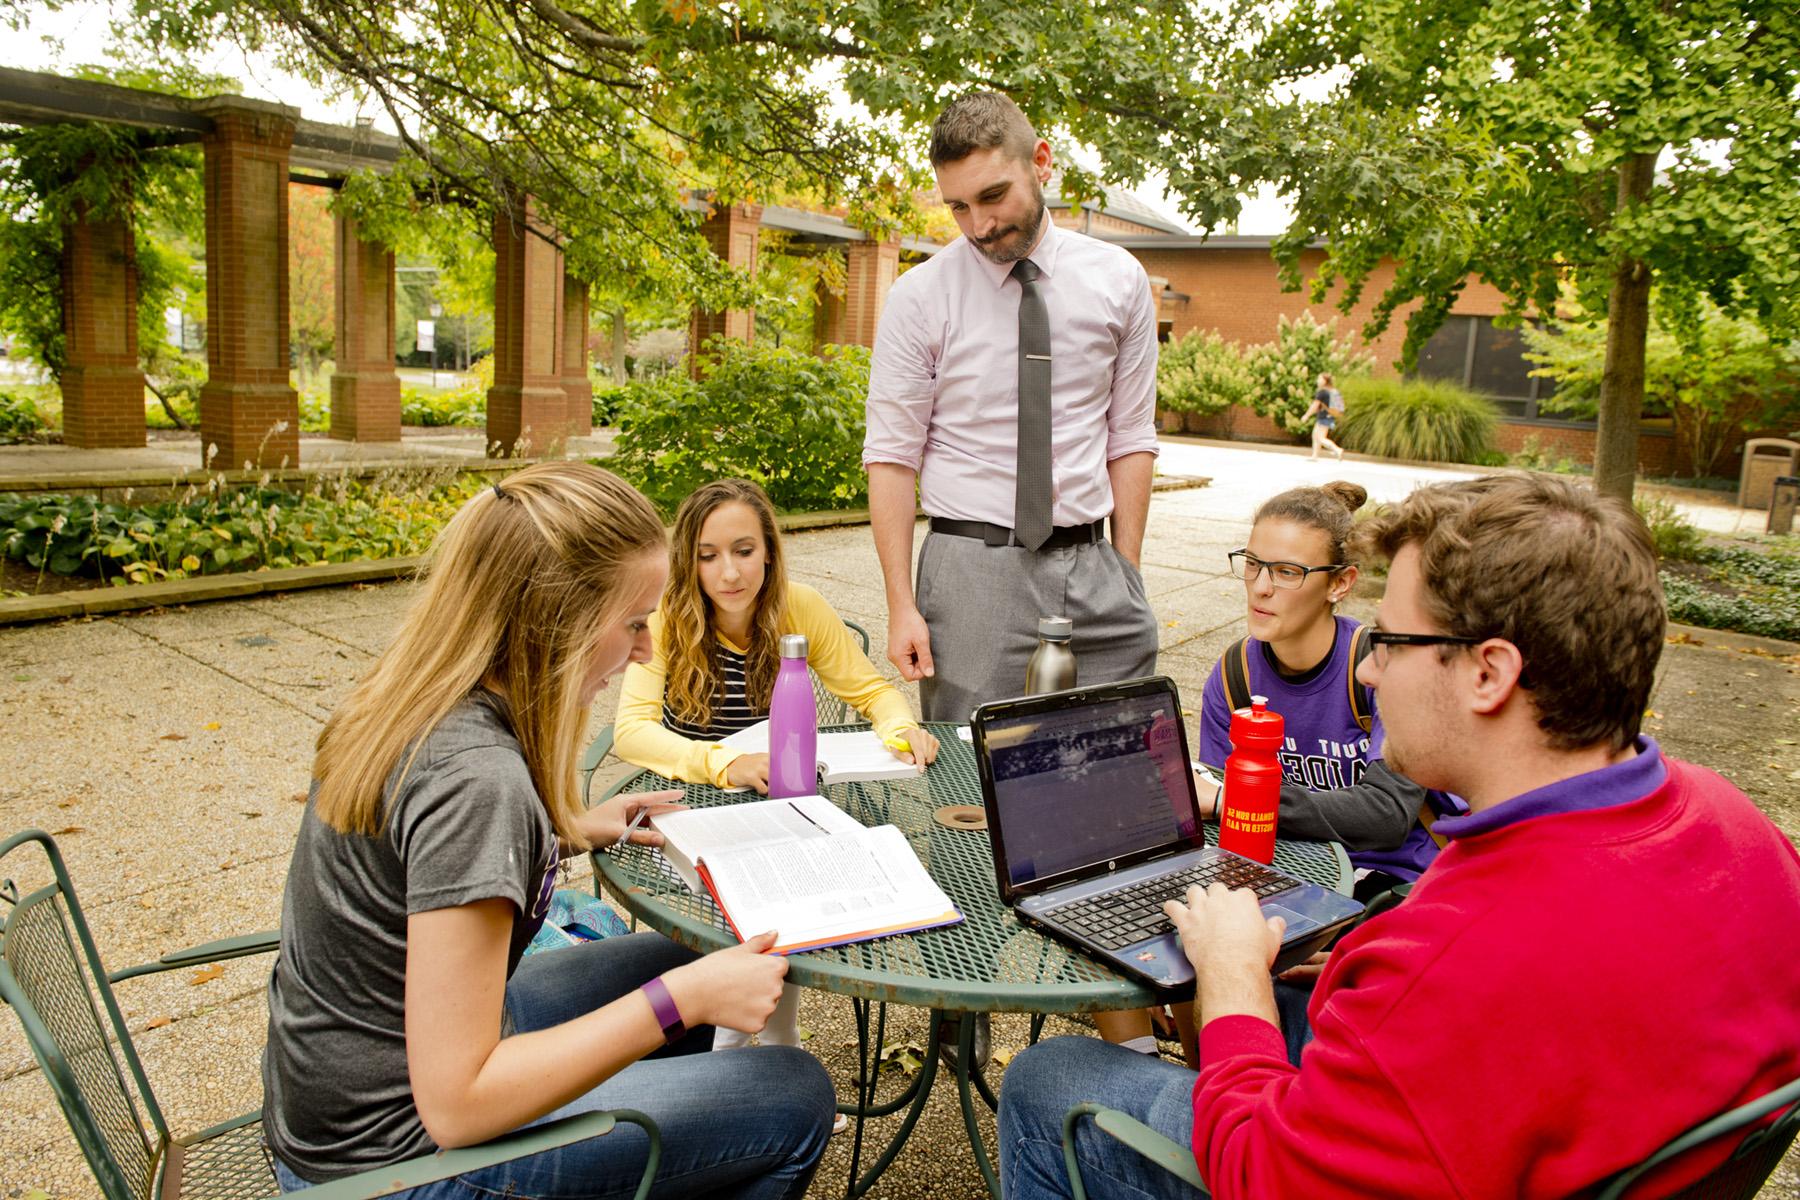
(1245, 565)
(1381, 639)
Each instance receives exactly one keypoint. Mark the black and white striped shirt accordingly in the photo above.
(730, 713)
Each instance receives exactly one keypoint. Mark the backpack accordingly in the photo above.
(1236, 678)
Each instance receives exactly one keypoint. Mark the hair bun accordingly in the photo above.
(1351, 495)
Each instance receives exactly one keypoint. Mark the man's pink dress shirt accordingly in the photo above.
(944, 382)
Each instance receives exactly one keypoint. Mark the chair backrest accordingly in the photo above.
(1743, 1172)
(50, 973)
(833, 711)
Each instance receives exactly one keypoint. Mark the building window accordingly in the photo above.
(1489, 361)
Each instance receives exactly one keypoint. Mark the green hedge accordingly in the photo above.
(1761, 593)
(1416, 419)
(20, 420)
(787, 419)
(217, 530)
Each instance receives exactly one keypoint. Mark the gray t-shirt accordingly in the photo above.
(466, 825)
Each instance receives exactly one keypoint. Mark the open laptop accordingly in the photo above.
(1095, 822)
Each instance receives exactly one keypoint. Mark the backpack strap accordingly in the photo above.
(1236, 674)
(1362, 701)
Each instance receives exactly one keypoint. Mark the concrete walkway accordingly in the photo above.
(170, 751)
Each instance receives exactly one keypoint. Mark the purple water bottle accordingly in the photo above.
(793, 725)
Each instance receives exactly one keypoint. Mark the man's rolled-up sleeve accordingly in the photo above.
(1131, 418)
(902, 383)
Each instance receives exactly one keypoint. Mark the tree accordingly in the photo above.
(1616, 144)
(312, 272)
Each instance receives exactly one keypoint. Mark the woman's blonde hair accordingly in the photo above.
(694, 684)
(520, 584)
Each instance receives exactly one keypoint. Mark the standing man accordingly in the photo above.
(1014, 381)
(1605, 954)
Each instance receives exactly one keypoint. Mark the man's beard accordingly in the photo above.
(1013, 251)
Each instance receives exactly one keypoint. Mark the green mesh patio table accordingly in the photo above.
(988, 962)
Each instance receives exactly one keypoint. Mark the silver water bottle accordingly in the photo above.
(1052, 665)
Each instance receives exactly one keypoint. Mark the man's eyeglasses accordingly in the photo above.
(1381, 639)
(1246, 565)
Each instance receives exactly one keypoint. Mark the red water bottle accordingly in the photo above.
(1252, 783)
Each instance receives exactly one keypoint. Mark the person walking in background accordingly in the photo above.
(1327, 407)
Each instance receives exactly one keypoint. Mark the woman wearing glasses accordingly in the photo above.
(1301, 655)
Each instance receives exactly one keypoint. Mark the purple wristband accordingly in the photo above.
(663, 1005)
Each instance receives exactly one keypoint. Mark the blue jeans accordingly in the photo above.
(1052, 1077)
(749, 1123)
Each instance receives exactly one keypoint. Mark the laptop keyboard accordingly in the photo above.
(1116, 919)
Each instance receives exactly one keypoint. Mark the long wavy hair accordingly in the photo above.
(694, 685)
(520, 585)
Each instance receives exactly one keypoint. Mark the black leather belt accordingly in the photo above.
(1000, 535)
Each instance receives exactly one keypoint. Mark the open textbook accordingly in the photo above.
(804, 868)
(844, 757)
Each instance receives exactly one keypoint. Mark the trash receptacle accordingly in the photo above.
(1782, 502)
(1764, 460)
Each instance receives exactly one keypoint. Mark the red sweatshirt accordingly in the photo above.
(1561, 995)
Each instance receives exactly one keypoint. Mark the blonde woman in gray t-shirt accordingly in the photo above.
(401, 1015)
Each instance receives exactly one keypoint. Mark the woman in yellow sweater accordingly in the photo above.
(716, 640)
(714, 654)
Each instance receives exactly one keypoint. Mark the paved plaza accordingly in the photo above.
(170, 752)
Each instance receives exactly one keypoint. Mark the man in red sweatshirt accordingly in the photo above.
(1606, 953)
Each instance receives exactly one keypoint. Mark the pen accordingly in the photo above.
(806, 818)
(636, 821)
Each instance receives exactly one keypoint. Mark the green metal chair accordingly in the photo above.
(51, 975)
(1739, 1177)
(1743, 1172)
(832, 711)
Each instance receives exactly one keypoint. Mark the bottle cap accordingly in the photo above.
(793, 645)
(1057, 629)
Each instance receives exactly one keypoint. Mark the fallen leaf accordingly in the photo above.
(227, 865)
(207, 974)
(71, 802)
(999, 1059)
(210, 725)
(146, 902)
(298, 797)
(21, 679)
(805, 1033)
(158, 1022)
(174, 737)
(65, 679)
(1786, 742)
(252, 815)
(35, 1194)
(68, 829)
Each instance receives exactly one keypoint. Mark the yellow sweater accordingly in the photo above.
(832, 653)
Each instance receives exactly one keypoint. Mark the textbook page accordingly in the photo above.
(693, 833)
(844, 757)
(816, 892)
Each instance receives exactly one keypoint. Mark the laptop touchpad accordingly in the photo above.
(1295, 922)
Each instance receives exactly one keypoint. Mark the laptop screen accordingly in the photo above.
(1102, 778)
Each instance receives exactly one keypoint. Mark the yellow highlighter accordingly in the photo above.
(897, 743)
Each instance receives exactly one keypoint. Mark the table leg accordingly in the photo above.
(965, 1053)
(913, 1099)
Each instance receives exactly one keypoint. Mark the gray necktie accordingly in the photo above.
(1031, 495)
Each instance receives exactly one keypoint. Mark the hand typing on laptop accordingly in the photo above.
(1232, 946)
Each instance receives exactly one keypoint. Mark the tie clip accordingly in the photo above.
(1039, 357)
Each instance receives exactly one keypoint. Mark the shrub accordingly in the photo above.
(1201, 372)
(20, 420)
(1531, 457)
(1673, 535)
(460, 406)
(218, 530)
(1284, 373)
(1750, 592)
(787, 419)
(1415, 419)
(609, 398)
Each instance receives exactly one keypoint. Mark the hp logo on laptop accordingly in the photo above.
(1112, 864)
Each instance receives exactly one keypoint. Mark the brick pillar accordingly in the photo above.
(365, 390)
(102, 385)
(576, 385)
(527, 407)
(733, 233)
(248, 410)
(870, 269)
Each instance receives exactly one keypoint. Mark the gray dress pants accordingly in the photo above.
(982, 603)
